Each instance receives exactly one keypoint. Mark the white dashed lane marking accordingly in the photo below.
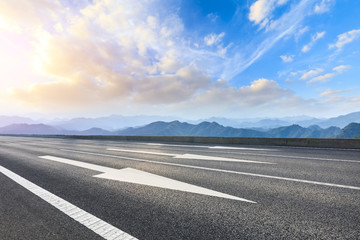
(100, 227)
(189, 156)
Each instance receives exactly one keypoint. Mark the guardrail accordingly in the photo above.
(294, 142)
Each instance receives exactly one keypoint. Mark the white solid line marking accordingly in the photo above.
(69, 209)
(307, 158)
(262, 154)
(145, 152)
(211, 147)
(144, 178)
(176, 145)
(190, 156)
(241, 148)
(218, 170)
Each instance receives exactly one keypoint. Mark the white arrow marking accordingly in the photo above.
(144, 178)
(190, 156)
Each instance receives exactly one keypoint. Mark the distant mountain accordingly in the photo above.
(303, 121)
(296, 131)
(29, 129)
(8, 120)
(214, 129)
(177, 128)
(110, 123)
(117, 122)
(341, 121)
(205, 129)
(266, 123)
(93, 131)
(145, 125)
(350, 131)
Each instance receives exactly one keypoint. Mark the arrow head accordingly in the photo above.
(131, 175)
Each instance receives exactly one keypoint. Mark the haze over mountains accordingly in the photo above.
(116, 122)
(346, 126)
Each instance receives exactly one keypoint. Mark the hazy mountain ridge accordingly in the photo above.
(350, 131)
(8, 120)
(117, 122)
(205, 129)
(109, 123)
(214, 129)
(261, 128)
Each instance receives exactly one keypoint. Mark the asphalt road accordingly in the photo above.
(176, 191)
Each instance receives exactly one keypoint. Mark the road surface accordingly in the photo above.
(54, 188)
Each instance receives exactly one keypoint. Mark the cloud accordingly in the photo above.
(213, 17)
(261, 11)
(261, 95)
(259, 92)
(341, 68)
(314, 39)
(287, 59)
(323, 6)
(18, 15)
(345, 38)
(331, 92)
(278, 29)
(330, 96)
(300, 32)
(171, 88)
(110, 53)
(125, 54)
(322, 78)
(213, 38)
(311, 73)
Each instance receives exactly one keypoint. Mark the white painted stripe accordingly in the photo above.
(190, 156)
(95, 224)
(241, 148)
(222, 159)
(263, 154)
(176, 145)
(211, 147)
(299, 157)
(145, 152)
(218, 170)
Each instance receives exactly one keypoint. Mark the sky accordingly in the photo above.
(190, 58)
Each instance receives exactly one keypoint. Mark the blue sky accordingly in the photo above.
(192, 59)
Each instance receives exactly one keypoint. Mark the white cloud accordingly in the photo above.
(301, 32)
(322, 78)
(331, 92)
(341, 68)
(323, 6)
(287, 59)
(18, 15)
(213, 38)
(259, 92)
(261, 11)
(345, 38)
(213, 17)
(314, 39)
(331, 97)
(311, 73)
(278, 29)
(125, 55)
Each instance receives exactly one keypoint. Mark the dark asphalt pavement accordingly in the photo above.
(286, 206)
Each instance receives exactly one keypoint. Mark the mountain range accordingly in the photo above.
(206, 129)
(345, 126)
(116, 122)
